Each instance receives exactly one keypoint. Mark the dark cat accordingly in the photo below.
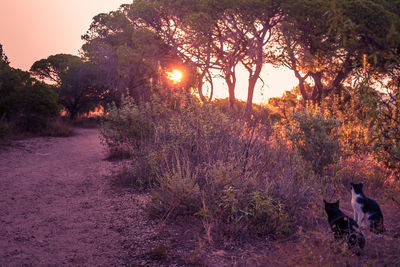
(365, 207)
(344, 227)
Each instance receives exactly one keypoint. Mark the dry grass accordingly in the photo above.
(233, 195)
(188, 241)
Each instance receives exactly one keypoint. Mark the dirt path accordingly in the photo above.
(57, 206)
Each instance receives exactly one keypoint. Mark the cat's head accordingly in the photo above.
(331, 206)
(357, 188)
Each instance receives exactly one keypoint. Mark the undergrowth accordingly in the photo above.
(239, 178)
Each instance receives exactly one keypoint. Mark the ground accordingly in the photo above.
(57, 205)
(62, 203)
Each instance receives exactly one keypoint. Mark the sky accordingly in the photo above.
(34, 29)
(31, 30)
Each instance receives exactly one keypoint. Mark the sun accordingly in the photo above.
(175, 76)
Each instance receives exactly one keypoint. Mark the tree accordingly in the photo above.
(130, 58)
(353, 43)
(3, 57)
(5, 80)
(80, 91)
(76, 81)
(185, 27)
(310, 48)
(327, 42)
(25, 103)
(258, 20)
(54, 67)
(214, 35)
(32, 104)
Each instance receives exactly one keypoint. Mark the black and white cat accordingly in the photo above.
(365, 207)
(343, 227)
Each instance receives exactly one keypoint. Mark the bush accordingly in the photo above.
(361, 169)
(177, 193)
(314, 135)
(4, 127)
(31, 107)
(124, 129)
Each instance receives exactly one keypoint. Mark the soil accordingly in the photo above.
(58, 206)
(63, 203)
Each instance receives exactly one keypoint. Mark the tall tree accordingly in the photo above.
(199, 32)
(75, 79)
(54, 67)
(215, 35)
(129, 56)
(258, 20)
(309, 47)
(327, 41)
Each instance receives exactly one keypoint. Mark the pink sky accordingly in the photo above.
(31, 30)
(34, 29)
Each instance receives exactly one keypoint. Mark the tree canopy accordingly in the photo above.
(76, 81)
(25, 103)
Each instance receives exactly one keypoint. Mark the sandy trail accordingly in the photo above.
(57, 206)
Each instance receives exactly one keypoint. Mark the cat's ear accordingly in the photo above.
(351, 183)
(324, 201)
(361, 183)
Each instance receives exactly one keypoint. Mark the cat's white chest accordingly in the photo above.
(356, 205)
(353, 198)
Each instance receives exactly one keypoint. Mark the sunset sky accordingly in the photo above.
(34, 29)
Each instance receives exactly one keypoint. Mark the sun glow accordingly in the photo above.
(175, 76)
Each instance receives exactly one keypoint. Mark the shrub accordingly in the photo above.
(124, 129)
(177, 193)
(31, 107)
(315, 137)
(4, 127)
(362, 168)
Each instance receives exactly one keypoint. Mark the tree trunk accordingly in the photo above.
(253, 77)
(303, 91)
(317, 93)
(200, 89)
(231, 82)
(250, 93)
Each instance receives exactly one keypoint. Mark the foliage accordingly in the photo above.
(177, 193)
(31, 107)
(125, 128)
(241, 204)
(328, 43)
(363, 168)
(200, 161)
(4, 127)
(25, 103)
(130, 58)
(3, 57)
(54, 67)
(238, 176)
(315, 137)
(78, 87)
(214, 36)
(383, 114)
